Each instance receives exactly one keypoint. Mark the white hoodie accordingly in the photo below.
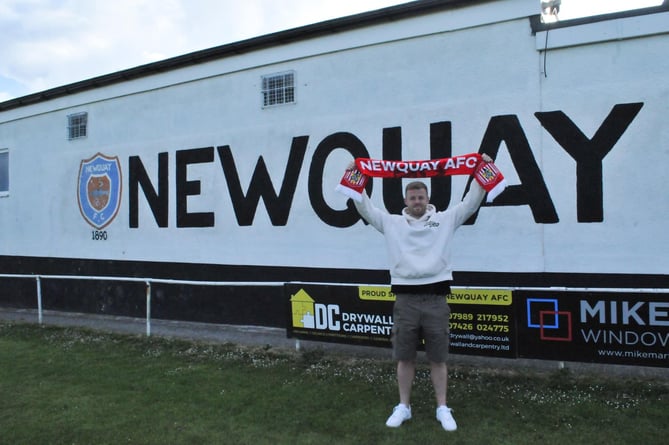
(419, 248)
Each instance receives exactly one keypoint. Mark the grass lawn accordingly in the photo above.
(78, 386)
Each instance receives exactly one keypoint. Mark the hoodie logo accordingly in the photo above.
(431, 224)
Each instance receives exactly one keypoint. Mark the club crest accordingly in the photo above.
(355, 178)
(99, 189)
(487, 172)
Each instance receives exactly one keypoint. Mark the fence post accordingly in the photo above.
(148, 308)
(39, 299)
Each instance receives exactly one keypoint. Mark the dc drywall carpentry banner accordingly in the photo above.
(481, 320)
(629, 328)
(342, 314)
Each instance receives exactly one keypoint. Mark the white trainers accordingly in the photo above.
(446, 418)
(400, 414)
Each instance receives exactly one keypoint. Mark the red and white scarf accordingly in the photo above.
(487, 174)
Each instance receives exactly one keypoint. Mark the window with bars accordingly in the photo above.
(4, 172)
(77, 125)
(278, 89)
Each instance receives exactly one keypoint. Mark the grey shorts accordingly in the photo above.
(417, 317)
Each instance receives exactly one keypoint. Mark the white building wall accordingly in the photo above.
(462, 66)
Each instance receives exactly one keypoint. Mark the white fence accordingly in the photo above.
(147, 281)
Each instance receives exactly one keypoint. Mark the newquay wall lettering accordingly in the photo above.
(588, 154)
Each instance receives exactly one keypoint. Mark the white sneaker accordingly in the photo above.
(400, 414)
(446, 418)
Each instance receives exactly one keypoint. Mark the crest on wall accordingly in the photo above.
(99, 189)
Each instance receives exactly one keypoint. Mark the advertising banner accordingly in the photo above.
(602, 327)
(360, 315)
(628, 328)
(481, 320)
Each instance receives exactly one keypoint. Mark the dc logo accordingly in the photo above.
(99, 189)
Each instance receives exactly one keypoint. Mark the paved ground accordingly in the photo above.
(276, 338)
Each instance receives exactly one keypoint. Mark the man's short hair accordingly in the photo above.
(416, 185)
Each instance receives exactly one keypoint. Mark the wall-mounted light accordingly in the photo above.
(550, 10)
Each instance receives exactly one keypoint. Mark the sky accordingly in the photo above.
(50, 43)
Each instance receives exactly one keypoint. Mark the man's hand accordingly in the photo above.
(486, 158)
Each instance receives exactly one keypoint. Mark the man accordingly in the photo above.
(418, 243)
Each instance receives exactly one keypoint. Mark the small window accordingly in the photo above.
(278, 89)
(77, 125)
(4, 172)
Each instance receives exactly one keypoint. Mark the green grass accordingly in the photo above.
(77, 386)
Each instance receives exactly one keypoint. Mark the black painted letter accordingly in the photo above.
(588, 153)
(278, 206)
(158, 201)
(186, 188)
(350, 143)
(532, 191)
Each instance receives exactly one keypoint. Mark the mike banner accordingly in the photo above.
(629, 328)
